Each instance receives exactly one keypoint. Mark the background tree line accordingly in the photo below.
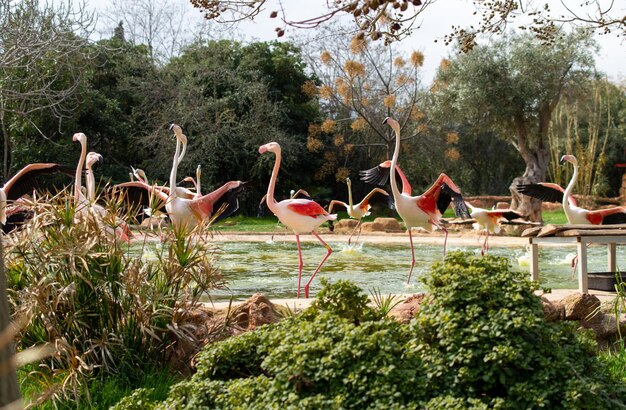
(496, 113)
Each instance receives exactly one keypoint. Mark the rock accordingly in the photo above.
(382, 225)
(502, 205)
(407, 310)
(604, 326)
(254, 312)
(345, 225)
(552, 311)
(581, 306)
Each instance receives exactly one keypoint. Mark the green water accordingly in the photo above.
(272, 267)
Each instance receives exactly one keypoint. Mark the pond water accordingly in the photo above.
(272, 267)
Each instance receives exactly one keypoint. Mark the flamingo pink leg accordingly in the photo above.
(358, 226)
(300, 265)
(445, 240)
(412, 255)
(485, 248)
(328, 252)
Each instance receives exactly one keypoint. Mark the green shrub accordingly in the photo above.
(481, 342)
(484, 337)
(106, 309)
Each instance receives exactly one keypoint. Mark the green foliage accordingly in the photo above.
(480, 343)
(106, 309)
(344, 299)
(484, 337)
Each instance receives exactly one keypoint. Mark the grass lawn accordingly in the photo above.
(242, 223)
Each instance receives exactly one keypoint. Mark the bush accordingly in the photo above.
(102, 305)
(484, 337)
(481, 342)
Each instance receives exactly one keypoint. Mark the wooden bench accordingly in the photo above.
(581, 236)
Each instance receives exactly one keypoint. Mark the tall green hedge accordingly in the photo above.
(479, 342)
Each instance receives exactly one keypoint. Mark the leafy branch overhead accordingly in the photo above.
(392, 20)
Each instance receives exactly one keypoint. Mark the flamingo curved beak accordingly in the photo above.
(262, 149)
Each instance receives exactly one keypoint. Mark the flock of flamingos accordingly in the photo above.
(188, 209)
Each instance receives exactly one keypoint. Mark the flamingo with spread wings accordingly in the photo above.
(359, 210)
(188, 213)
(575, 215)
(22, 183)
(488, 221)
(424, 211)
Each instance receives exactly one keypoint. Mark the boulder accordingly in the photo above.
(552, 311)
(605, 326)
(345, 225)
(382, 225)
(254, 312)
(405, 311)
(581, 306)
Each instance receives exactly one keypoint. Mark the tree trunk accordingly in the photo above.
(6, 160)
(9, 390)
(536, 171)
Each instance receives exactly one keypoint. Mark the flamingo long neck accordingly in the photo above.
(394, 164)
(90, 182)
(568, 191)
(174, 169)
(198, 186)
(271, 202)
(78, 181)
(350, 206)
(406, 187)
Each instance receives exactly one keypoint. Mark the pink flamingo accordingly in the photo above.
(424, 211)
(359, 210)
(300, 215)
(188, 213)
(489, 221)
(575, 215)
(23, 183)
(379, 175)
(121, 227)
(85, 204)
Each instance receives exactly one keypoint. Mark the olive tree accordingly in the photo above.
(512, 88)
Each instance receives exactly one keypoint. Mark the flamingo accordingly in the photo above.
(22, 183)
(187, 213)
(86, 204)
(300, 215)
(489, 221)
(359, 210)
(575, 215)
(424, 211)
(81, 203)
(379, 175)
(300, 193)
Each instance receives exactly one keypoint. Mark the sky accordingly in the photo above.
(437, 21)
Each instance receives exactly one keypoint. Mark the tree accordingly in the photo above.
(512, 88)
(361, 84)
(395, 19)
(165, 27)
(41, 55)
(586, 123)
(230, 99)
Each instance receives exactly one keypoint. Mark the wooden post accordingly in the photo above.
(534, 261)
(612, 247)
(583, 286)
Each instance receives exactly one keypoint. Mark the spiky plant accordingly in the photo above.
(104, 305)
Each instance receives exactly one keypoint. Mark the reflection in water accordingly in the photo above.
(271, 267)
